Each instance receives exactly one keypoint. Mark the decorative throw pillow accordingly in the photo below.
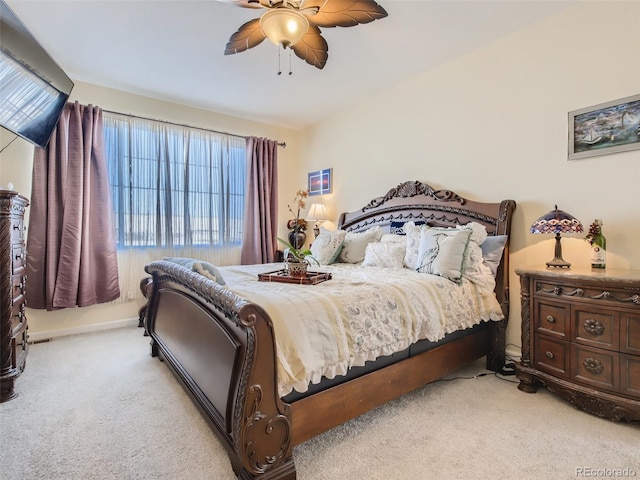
(492, 249)
(397, 227)
(412, 232)
(355, 244)
(441, 252)
(384, 254)
(326, 246)
(474, 267)
(203, 268)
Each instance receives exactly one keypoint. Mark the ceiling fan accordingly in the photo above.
(295, 24)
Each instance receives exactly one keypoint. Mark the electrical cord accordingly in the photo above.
(484, 374)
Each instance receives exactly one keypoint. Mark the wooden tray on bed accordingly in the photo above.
(311, 278)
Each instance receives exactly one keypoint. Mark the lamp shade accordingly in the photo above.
(316, 213)
(284, 26)
(557, 221)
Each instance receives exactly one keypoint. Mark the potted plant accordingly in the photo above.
(296, 260)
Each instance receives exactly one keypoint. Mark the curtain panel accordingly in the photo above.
(72, 257)
(261, 212)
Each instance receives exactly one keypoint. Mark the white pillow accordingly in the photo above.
(326, 246)
(412, 232)
(355, 244)
(384, 254)
(441, 252)
(473, 261)
(394, 237)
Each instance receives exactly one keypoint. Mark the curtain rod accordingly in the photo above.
(280, 144)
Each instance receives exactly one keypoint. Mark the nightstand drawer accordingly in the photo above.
(18, 283)
(552, 319)
(19, 259)
(20, 349)
(552, 356)
(597, 328)
(17, 230)
(630, 375)
(18, 316)
(630, 333)
(598, 368)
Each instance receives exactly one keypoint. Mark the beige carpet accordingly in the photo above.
(97, 406)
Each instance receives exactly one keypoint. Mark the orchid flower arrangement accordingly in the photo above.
(298, 224)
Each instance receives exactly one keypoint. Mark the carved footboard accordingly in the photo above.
(222, 347)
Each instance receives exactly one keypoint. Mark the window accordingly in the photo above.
(174, 186)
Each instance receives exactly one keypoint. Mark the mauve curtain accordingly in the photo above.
(72, 257)
(261, 202)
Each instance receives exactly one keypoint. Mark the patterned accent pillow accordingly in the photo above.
(397, 227)
(442, 252)
(326, 247)
(384, 254)
(355, 244)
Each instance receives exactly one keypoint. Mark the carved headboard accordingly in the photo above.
(415, 200)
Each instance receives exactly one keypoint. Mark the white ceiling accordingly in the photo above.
(173, 50)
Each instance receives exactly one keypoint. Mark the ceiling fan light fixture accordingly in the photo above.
(284, 26)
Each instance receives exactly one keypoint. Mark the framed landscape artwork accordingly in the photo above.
(606, 128)
(320, 182)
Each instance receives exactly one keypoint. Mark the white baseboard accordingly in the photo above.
(514, 352)
(49, 334)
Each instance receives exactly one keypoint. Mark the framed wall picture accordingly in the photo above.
(606, 128)
(320, 182)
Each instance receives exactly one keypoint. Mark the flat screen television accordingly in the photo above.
(33, 88)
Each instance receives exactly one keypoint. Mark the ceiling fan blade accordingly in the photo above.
(312, 48)
(245, 3)
(344, 13)
(248, 36)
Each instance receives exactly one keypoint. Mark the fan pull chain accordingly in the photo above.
(279, 63)
(279, 69)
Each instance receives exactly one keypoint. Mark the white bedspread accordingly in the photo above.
(358, 315)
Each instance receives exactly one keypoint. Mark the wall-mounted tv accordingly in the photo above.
(33, 88)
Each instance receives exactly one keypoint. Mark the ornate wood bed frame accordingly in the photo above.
(222, 346)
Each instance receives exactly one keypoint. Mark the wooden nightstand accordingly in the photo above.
(581, 338)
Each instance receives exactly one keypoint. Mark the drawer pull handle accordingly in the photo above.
(550, 319)
(593, 366)
(550, 355)
(593, 326)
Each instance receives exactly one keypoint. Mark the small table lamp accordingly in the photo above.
(557, 221)
(316, 214)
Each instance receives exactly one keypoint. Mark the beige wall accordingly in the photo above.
(17, 159)
(492, 125)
